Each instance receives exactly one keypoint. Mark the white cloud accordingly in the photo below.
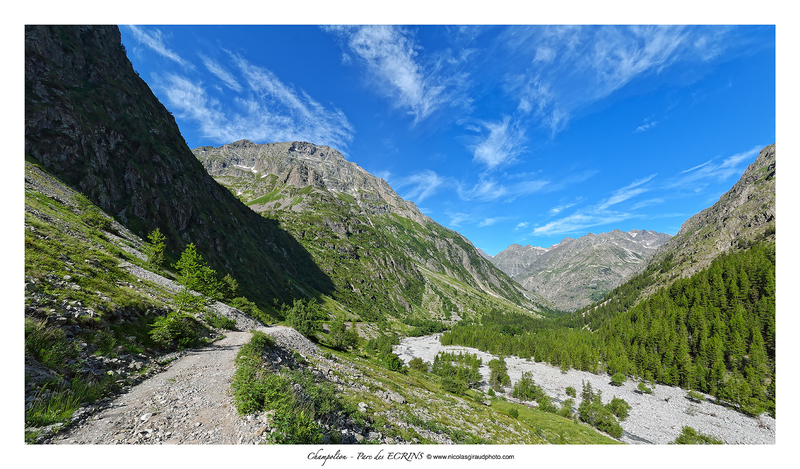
(423, 185)
(221, 73)
(268, 110)
(559, 208)
(647, 203)
(565, 68)
(580, 222)
(731, 166)
(154, 39)
(457, 218)
(646, 126)
(392, 59)
(502, 146)
(491, 221)
(483, 190)
(625, 193)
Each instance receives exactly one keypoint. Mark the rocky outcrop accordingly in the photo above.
(742, 215)
(303, 164)
(577, 272)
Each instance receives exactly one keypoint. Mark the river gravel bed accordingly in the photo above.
(654, 418)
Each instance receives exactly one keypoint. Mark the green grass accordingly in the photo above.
(553, 428)
(58, 402)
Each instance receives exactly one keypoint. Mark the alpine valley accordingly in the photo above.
(279, 293)
(577, 272)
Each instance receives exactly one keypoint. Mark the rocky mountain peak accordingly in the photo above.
(303, 164)
(745, 213)
(576, 272)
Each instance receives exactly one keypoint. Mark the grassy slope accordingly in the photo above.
(375, 262)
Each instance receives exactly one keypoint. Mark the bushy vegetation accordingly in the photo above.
(592, 411)
(342, 338)
(302, 406)
(418, 364)
(305, 316)
(459, 371)
(498, 375)
(527, 390)
(154, 249)
(690, 436)
(381, 348)
(176, 330)
(219, 321)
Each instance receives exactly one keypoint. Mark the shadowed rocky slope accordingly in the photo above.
(95, 124)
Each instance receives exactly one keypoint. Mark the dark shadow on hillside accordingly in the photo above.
(93, 123)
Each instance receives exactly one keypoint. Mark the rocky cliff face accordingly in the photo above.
(375, 243)
(577, 272)
(302, 164)
(91, 121)
(742, 215)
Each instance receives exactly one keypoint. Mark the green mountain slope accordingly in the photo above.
(384, 256)
(701, 315)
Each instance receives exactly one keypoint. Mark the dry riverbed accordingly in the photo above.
(654, 418)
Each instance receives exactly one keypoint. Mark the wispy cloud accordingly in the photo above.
(579, 222)
(491, 221)
(221, 73)
(646, 126)
(265, 109)
(559, 208)
(647, 203)
(501, 146)
(730, 166)
(262, 107)
(487, 189)
(566, 68)
(594, 215)
(392, 59)
(625, 193)
(154, 39)
(421, 185)
(457, 218)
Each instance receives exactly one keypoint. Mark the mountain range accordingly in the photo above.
(577, 272)
(382, 253)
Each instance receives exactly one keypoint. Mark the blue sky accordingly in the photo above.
(507, 134)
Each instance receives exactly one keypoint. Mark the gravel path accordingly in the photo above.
(189, 403)
(655, 418)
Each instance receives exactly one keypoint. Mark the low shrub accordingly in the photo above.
(175, 330)
(303, 407)
(220, 322)
(454, 385)
(690, 436)
(695, 396)
(643, 388)
(418, 364)
(619, 407)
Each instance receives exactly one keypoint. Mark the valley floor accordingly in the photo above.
(654, 418)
